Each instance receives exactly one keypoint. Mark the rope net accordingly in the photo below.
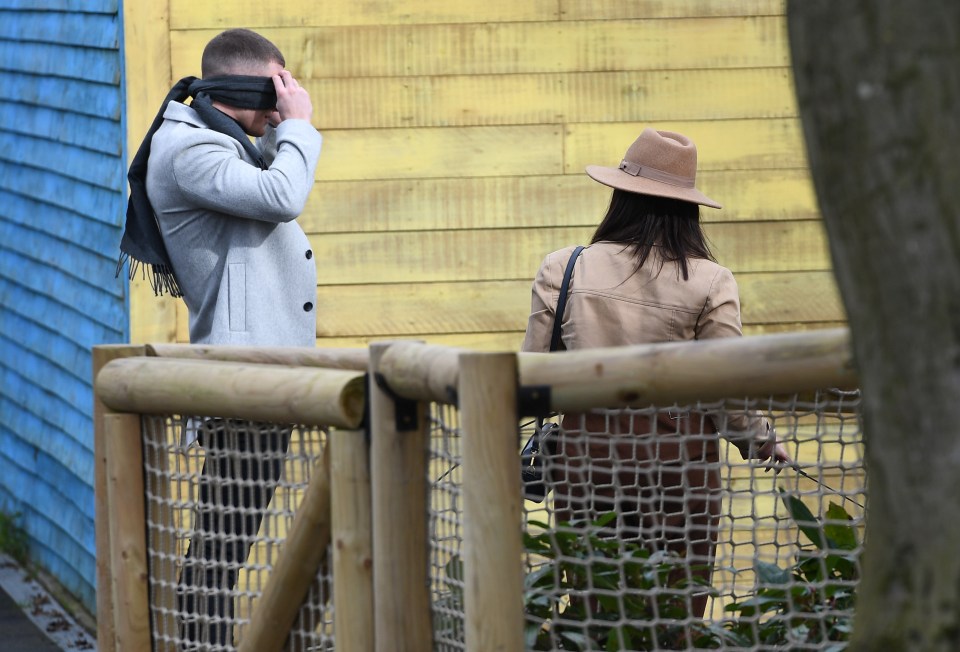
(647, 530)
(655, 533)
(217, 515)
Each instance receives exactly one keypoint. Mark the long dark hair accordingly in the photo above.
(645, 221)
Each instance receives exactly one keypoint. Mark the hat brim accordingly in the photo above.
(617, 178)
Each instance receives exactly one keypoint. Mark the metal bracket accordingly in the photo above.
(533, 400)
(405, 409)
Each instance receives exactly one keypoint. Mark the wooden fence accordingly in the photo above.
(371, 494)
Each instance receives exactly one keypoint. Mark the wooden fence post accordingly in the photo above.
(492, 518)
(352, 540)
(128, 541)
(398, 466)
(106, 637)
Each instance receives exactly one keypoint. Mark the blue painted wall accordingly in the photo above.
(61, 210)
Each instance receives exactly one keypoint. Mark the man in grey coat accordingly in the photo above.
(242, 262)
(229, 244)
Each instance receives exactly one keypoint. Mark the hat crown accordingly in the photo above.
(658, 163)
(665, 151)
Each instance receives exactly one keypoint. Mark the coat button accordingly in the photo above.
(309, 254)
(307, 307)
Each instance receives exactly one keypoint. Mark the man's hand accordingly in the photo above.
(293, 101)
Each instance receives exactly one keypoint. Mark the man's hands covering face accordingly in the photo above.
(293, 101)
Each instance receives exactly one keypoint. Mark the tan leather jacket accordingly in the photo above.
(611, 303)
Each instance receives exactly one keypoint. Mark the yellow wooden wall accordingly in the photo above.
(456, 134)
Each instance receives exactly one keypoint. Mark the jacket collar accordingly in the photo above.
(179, 112)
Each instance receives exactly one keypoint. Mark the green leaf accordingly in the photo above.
(839, 530)
(605, 519)
(771, 574)
(575, 638)
(805, 519)
(762, 603)
(619, 639)
(543, 576)
(531, 632)
(799, 633)
(732, 637)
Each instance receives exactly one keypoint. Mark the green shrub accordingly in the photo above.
(812, 602)
(576, 596)
(575, 599)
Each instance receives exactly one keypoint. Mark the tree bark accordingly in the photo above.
(878, 83)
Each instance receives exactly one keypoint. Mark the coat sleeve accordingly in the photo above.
(721, 311)
(212, 175)
(543, 306)
(745, 429)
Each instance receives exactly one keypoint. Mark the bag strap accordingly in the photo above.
(562, 301)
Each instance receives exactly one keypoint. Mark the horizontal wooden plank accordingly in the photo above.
(770, 246)
(100, 296)
(532, 201)
(465, 100)
(59, 255)
(790, 327)
(66, 127)
(84, 165)
(56, 401)
(59, 223)
(473, 341)
(721, 145)
(39, 340)
(88, 6)
(99, 204)
(68, 320)
(491, 47)
(72, 95)
(498, 341)
(503, 341)
(448, 152)
(511, 340)
(790, 297)
(618, 9)
(89, 64)
(185, 14)
(537, 149)
(502, 306)
(510, 254)
(83, 29)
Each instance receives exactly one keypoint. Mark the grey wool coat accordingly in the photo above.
(244, 265)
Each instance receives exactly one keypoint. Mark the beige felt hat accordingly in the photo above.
(659, 163)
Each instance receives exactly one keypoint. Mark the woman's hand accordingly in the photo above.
(775, 452)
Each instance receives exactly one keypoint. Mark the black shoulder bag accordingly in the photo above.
(531, 459)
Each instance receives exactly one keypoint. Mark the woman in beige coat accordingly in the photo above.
(648, 276)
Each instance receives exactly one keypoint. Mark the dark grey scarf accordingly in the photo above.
(142, 243)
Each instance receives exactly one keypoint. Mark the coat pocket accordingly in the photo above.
(237, 296)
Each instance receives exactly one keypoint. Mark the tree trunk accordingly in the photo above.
(878, 83)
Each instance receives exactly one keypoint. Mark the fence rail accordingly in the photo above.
(397, 497)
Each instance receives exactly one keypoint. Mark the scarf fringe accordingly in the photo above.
(162, 280)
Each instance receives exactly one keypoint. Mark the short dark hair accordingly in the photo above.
(642, 221)
(235, 49)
